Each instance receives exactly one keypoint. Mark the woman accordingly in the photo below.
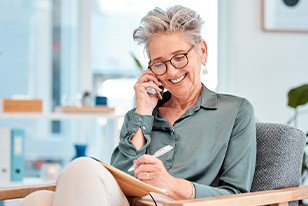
(212, 135)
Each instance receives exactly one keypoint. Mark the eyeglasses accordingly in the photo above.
(178, 61)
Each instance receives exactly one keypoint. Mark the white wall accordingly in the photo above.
(261, 66)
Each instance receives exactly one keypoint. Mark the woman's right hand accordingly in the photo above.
(146, 102)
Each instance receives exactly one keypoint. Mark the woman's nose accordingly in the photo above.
(170, 68)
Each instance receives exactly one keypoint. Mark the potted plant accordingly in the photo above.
(297, 96)
(137, 62)
(86, 98)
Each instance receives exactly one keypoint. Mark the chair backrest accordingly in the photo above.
(280, 151)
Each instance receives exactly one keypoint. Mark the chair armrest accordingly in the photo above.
(20, 192)
(279, 197)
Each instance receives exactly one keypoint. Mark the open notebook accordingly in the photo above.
(131, 186)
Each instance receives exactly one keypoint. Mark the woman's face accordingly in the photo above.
(180, 82)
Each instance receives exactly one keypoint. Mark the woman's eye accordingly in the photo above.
(178, 58)
(158, 65)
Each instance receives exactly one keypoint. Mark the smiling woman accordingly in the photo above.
(113, 22)
(112, 26)
(188, 111)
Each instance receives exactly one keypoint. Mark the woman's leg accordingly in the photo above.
(86, 182)
(39, 198)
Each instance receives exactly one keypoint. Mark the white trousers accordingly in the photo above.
(83, 182)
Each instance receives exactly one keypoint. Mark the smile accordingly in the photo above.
(178, 79)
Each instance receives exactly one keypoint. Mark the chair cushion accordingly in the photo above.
(280, 151)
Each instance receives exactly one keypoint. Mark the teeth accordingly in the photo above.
(178, 79)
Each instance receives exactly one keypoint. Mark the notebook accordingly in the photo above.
(131, 186)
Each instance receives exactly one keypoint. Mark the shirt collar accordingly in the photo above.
(207, 100)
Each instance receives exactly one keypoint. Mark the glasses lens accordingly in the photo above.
(179, 61)
(158, 68)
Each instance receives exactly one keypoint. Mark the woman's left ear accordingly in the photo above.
(203, 47)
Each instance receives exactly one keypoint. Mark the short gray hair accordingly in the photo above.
(174, 19)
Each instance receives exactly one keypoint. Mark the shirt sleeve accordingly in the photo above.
(239, 165)
(124, 154)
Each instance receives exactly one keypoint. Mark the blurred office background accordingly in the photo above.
(55, 50)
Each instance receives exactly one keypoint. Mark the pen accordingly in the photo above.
(158, 153)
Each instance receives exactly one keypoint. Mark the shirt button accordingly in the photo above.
(140, 120)
(143, 127)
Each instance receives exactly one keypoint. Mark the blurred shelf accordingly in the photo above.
(58, 115)
(85, 109)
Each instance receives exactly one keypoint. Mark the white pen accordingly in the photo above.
(158, 153)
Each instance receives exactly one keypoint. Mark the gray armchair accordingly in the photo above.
(279, 159)
(280, 151)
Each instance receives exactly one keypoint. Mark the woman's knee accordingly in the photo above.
(38, 198)
(82, 164)
(83, 167)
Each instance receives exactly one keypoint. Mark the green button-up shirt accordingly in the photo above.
(214, 143)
